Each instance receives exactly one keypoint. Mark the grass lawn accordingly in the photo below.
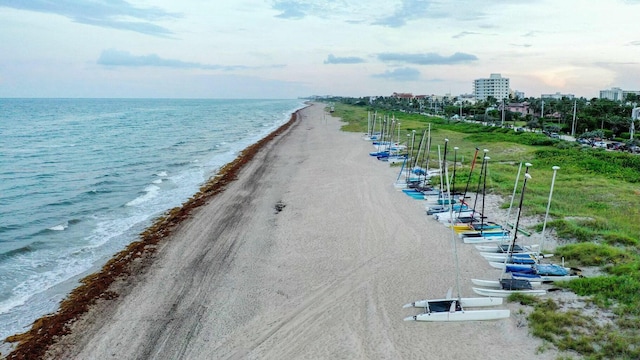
(595, 212)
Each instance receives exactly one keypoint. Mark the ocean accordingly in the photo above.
(80, 179)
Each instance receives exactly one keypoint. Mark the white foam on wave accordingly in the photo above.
(150, 192)
(157, 181)
(52, 268)
(162, 174)
(59, 227)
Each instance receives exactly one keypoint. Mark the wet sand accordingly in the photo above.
(309, 254)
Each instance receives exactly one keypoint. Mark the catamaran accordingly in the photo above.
(456, 309)
(508, 286)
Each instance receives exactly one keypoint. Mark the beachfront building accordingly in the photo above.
(495, 86)
(519, 107)
(557, 96)
(469, 99)
(517, 94)
(408, 96)
(616, 94)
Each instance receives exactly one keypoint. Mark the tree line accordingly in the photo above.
(610, 118)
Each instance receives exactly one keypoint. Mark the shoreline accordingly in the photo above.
(310, 253)
(36, 341)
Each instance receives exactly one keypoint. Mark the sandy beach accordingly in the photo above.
(309, 254)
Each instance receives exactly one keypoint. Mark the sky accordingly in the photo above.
(295, 48)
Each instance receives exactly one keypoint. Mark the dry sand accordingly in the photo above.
(324, 278)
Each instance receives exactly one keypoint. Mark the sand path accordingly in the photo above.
(324, 278)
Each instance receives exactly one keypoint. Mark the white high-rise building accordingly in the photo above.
(557, 96)
(616, 94)
(495, 86)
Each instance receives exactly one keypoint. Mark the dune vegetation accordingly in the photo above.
(594, 214)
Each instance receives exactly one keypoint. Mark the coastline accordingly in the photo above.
(309, 253)
(133, 259)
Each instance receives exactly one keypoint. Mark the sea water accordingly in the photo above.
(80, 179)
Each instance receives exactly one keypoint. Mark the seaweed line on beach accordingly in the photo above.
(45, 331)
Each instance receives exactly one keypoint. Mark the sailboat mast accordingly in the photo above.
(455, 162)
(546, 215)
(410, 159)
(515, 228)
(513, 196)
(473, 164)
(482, 167)
(445, 172)
(484, 193)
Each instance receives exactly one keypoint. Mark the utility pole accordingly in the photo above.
(573, 124)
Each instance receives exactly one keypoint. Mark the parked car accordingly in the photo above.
(555, 136)
(616, 145)
(635, 149)
(600, 144)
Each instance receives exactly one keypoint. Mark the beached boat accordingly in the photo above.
(450, 217)
(464, 302)
(452, 310)
(483, 233)
(507, 292)
(508, 286)
(495, 256)
(505, 248)
(461, 228)
(543, 272)
(456, 309)
(486, 239)
(444, 208)
(496, 284)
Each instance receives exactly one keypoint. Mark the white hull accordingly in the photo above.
(495, 249)
(485, 233)
(506, 293)
(394, 160)
(485, 239)
(463, 315)
(501, 257)
(446, 217)
(497, 264)
(464, 302)
(496, 284)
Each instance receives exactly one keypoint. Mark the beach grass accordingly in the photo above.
(594, 213)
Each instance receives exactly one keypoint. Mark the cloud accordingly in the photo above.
(331, 59)
(408, 10)
(103, 13)
(400, 74)
(428, 58)
(464, 33)
(291, 9)
(114, 57)
(531, 34)
(635, 43)
(521, 45)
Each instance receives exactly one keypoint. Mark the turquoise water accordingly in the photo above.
(81, 178)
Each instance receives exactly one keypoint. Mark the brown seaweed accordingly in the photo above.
(45, 331)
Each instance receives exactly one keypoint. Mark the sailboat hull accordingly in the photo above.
(465, 302)
(497, 285)
(506, 293)
(461, 315)
(485, 239)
